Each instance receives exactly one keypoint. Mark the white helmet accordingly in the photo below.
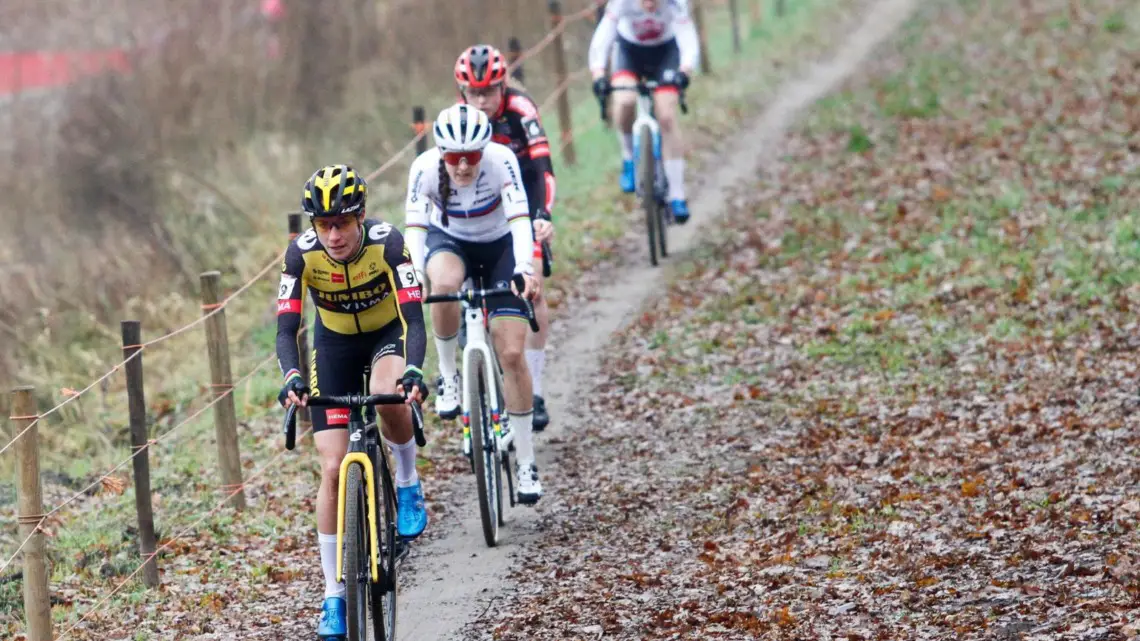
(462, 127)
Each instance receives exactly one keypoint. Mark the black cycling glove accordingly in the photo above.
(682, 80)
(601, 87)
(296, 385)
(413, 377)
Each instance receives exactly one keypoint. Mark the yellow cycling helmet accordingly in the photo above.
(334, 190)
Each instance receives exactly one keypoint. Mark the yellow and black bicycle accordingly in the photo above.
(368, 547)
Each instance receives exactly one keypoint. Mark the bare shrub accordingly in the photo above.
(128, 185)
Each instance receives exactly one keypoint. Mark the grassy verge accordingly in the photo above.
(97, 551)
(910, 357)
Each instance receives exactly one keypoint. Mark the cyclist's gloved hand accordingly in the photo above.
(412, 384)
(681, 79)
(525, 285)
(542, 226)
(601, 87)
(296, 385)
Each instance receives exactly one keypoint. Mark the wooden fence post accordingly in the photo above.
(734, 14)
(37, 602)
(418, 125)
(601, 13)
(699, 20)
(140, 436)
(514, 50)
(225, 418)
(565, 123)
(303, 335)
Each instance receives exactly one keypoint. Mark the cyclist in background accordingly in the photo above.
(656, 40)
(467, 210)
(481, 74)
(369, 314)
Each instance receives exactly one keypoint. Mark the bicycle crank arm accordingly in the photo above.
(506, 440)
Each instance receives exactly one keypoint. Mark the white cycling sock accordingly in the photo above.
(626, 141)
(675, 173)
(535, 359)
(521, 425)
(405, 463)
(328, 564)
(446, 347)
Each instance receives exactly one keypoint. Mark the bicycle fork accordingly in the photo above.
(654, 131)
(477, 342)
(370, 500)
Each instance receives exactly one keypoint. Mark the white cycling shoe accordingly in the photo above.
(447, 398)
(530, 488)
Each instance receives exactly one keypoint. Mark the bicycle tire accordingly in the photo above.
(384, 591)
(663, 213)
(646, 167)
(356, 554)
(480, 421)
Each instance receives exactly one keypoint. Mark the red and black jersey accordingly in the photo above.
(517, 126)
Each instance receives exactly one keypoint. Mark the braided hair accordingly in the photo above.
(444, 190)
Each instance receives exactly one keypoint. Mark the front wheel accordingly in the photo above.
(647, 184)
(483, 449)
(356, 559)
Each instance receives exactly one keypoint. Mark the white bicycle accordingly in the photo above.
(483, 410)
(652, 185)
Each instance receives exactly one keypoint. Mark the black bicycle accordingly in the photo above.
(652, 185)
(368, 548)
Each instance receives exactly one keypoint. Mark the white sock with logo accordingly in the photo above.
(626, 141)
(328, 564)
(535, 359)
(522, 425)
(405, 456)
(675, 173)
(446, 348)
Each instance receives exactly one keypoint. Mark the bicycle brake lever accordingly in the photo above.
(291, 427)
(418, 425)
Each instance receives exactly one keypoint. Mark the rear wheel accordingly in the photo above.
(482, 451)
(647, 184)
(356, 575)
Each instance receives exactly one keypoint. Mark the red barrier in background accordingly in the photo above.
(44, 69)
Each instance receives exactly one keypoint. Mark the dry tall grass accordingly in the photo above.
(122, 188)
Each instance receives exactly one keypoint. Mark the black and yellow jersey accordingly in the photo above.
(373, 290)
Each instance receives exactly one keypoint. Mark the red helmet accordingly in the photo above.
(480, 66)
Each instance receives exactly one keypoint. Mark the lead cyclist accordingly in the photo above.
(466, 209)
(656, 39)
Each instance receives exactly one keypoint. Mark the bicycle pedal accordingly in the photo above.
(403, 549)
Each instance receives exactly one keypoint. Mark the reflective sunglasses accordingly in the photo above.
(453, 157)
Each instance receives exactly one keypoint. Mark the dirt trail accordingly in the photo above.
(456, 577)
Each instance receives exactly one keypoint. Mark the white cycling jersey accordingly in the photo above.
(484, 211)
(627, 18)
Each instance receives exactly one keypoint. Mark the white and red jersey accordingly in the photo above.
(628, 19)
(489, 208)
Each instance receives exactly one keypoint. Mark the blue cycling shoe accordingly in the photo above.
(411, 516)
(333, 626)
(628, 183)
(680, 210)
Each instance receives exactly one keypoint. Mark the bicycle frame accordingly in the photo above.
(358, 452)
(477, 343)
(365, 448)
(645, 118)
